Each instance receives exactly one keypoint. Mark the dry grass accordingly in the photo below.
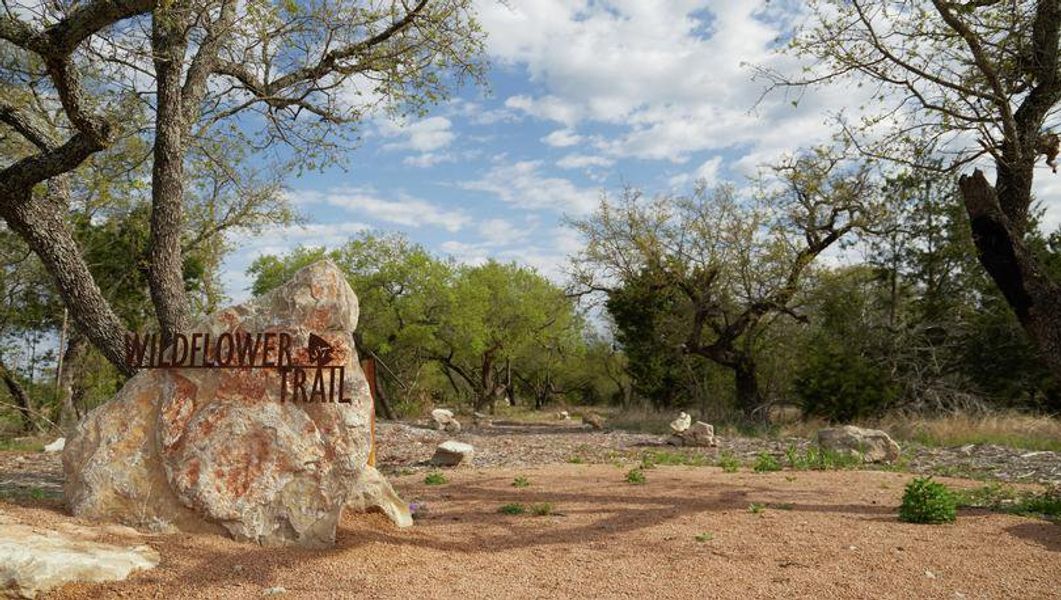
(1016, 430)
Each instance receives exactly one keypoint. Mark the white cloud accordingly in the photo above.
(562, 138)
(581, 161)
(671, 76)
(405, 210)
(524, 185)
(706, 172)
(427, 135)
(500, 232)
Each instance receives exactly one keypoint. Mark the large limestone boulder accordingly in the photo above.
(870, 445)
(34, 560)
(230, 450)
(698, 434)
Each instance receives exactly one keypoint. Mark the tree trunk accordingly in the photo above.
(1034, 298)
(166, 270)
(70, 389)
(20, 397)
(749, 400)
(41, 224)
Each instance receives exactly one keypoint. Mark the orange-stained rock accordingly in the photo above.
(216, 449)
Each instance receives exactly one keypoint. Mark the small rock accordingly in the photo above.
(563, 415)
(452, 453)
(237, 568)
(682, 423)
(56, 446)
(930, 574)
(274, 591)
(699, 434)
(445, 421)
(593, 420)
(967, 449)
(870, 445)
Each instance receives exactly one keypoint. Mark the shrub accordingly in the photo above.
(842, 386)
(765, 462)
(635, 476)
(928, 501)
(756, 508)
(520, 482)
(512, 509)
(728, 462)
(435, 478)
(542, 509)
(706, 536)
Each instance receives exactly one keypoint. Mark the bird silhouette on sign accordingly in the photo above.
(319, 350)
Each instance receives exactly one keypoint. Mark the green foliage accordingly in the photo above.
(814, 458)
(635, 477)
(927, 501)
(1045, 503)
(756, 508)
(512, 509)
(841, 386)
(541, 509)
(706, 536)
(435, 478)
(765, 462)
(520, 482)
(652, 458)
(575, 460)
(728, 462)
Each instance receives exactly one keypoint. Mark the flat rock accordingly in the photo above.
(452, 453)
(215, 449)
(35, 560)
(56, 446)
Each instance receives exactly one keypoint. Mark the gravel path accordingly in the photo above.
(687, 532)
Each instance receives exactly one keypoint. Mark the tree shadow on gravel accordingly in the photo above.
(1042, 533)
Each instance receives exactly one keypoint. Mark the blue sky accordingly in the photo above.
(583, 97)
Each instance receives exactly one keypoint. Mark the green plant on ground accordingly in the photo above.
(756, 508)
(728, 462)
(765, 463)
(435, 478)
(542, 509)
(706, 536)
(575, 460)
(635, 476)
(928, 501)
(662, 457)
(512, 509)
(817, 459)
(1002, 498)
(520, 482)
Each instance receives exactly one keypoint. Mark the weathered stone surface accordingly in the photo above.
(698, 434)
(682, 423)
(35, 560)
(56, 446)
(593, 420)
(871, 445)
(216, 450)
(452, 453)
(445, 420)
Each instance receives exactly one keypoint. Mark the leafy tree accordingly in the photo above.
(725, 266)
(962, 81)
(198, 80)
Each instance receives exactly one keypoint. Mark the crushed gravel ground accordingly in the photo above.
(820, 535)
(688, 532)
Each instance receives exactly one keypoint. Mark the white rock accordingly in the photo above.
(871, 445)
(34, 560)
(452, 453)
(682, 423)
(56, 446)
(445, 420)
(698, 434)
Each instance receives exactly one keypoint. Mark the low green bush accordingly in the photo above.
(928, 501)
